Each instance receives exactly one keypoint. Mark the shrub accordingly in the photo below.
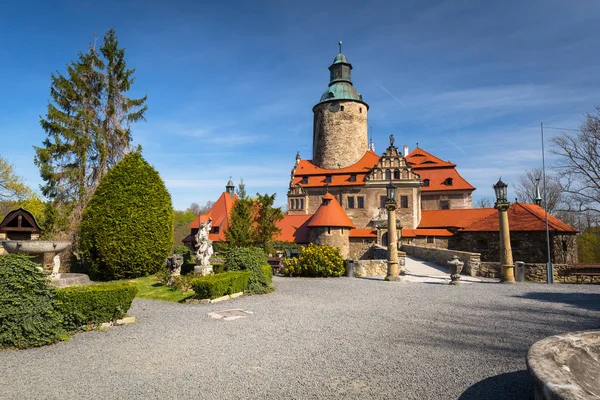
(315, 261)
(185, 252)
(28, 306)
(95, 304)
(127, 228)
(213, 286)
(268, 273)
(250, 259)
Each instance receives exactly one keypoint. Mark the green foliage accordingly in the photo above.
(267, 217)
(181, 223)
(28, 306)
(213, 286)
(95, 304)
(240, 232)
(249, 259)
(315, 261)
(127, 229)
(589, 246)
(185, 252)
(268, 274)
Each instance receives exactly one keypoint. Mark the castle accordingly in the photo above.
(338, 197)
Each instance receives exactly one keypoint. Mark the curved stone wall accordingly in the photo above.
(338, 237)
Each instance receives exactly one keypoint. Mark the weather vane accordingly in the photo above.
(340, 44)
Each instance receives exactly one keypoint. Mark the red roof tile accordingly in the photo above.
(438, 180)
(425, 232)
(219, 213)
(419, 158)
(521, 217)
(339, 177)
(294, 228)
(363, 233)
(459, 218)
(330, 213)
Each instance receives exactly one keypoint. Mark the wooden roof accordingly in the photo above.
(20, 220)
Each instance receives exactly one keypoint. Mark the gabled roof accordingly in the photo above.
(363, 233)
(219, 213)
(522, 217)
(20, 220)
(438, 180)
(419, 158)
(364, 165)
(330, 214)
(457, 219)
(294, 228)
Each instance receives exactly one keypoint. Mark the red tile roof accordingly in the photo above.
(438, 180)
(294, 228)
(219, 213)
(522, 217)
(425, 232)
(363, 233)
(419, 158)
(453, 218)
(330, 213)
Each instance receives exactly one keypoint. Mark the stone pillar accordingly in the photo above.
(392, 273)
(506, 258)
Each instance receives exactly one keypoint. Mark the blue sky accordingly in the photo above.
(231, 85)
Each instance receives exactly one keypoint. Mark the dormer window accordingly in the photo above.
(327, 178)
(304, 180)
(426, 182)
(353, 178)
(448, 182)
(388, 175)
(396, 174)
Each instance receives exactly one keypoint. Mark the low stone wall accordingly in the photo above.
(441, 256)
(376, 267)
(534, 272)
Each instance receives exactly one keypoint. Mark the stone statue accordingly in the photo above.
(174, 263)
(56, 266)
(392, 140)
(204, 248)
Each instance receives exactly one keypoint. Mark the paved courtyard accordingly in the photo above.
(314, 339)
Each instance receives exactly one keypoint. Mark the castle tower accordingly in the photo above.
(340, 134)
(331, 226)
(230, 188)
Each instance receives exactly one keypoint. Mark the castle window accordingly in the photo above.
(403, 201)
(328, 230)
(388, 174)
(426, 182)
(350, 201)
(215, 229)
(328, 179)
(360, 110)
(341, 108)
(353, 178)
(302, 204)
(291, 204)
(444, 205)
(305, 180)
(430, 239)
(382, 201)
(448, 182)
(396, 174)
(361, 202)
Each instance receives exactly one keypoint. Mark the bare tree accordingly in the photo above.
(484, 202)
(526, 188)
(579, 165)
(196, 209)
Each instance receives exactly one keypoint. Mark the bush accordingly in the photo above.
(315, 261)
(213, 286)
(268, 273)
(250, 259)
(127, 227)
(28, 306)
(95, 304)
(185, 252)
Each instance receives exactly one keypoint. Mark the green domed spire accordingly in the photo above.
(340, 83)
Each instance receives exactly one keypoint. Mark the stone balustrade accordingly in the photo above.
(441, 256)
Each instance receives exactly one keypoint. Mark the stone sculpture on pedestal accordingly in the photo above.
(455, 266)
(204, 249)
(174, 263)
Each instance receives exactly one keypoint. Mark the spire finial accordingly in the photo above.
(340, 44)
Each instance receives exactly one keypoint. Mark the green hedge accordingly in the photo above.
(95, 304)
(249, 259)
(268, 273)
(213, 286)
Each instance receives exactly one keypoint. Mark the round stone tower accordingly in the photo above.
(330, 225)
(340, 134)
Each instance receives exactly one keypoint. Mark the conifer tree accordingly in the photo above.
(240, 232)
(267, 217)
(87, 125)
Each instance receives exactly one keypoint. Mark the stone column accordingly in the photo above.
(506, 258)
(392, 261)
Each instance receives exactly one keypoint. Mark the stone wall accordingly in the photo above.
(339, 136)
(421, 241)
(534, 272)
(377, 267)
(440, 257)
(456, 200)
(337, 237)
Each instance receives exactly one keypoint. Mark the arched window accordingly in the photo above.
(384, 239)
(396, 174)
(388, 174)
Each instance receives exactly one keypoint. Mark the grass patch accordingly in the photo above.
(149, 287)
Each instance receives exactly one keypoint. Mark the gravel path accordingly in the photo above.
(317, 339)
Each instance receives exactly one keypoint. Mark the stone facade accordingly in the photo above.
(455, 200)
(529, 247)
(377, 267)
(423, 241)
(338, 237)
(340, 133)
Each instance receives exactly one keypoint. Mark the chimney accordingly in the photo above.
(405, 150)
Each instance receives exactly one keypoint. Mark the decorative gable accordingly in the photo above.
(392, 166)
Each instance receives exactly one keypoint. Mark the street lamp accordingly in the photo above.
(506, 259)
(392, 261)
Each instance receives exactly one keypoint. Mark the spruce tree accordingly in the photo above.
(87, 125)
(240, 232)
(267, 217)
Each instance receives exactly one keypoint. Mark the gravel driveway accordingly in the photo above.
(314, 338)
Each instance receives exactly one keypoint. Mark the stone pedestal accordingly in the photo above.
(203, 270)
(455, 266)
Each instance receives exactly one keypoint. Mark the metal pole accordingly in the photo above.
(549, 266)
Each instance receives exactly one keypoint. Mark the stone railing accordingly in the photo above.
(441, 256)
(376, 267)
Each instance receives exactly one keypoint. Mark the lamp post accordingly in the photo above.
(392, 261)
(506, 259)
